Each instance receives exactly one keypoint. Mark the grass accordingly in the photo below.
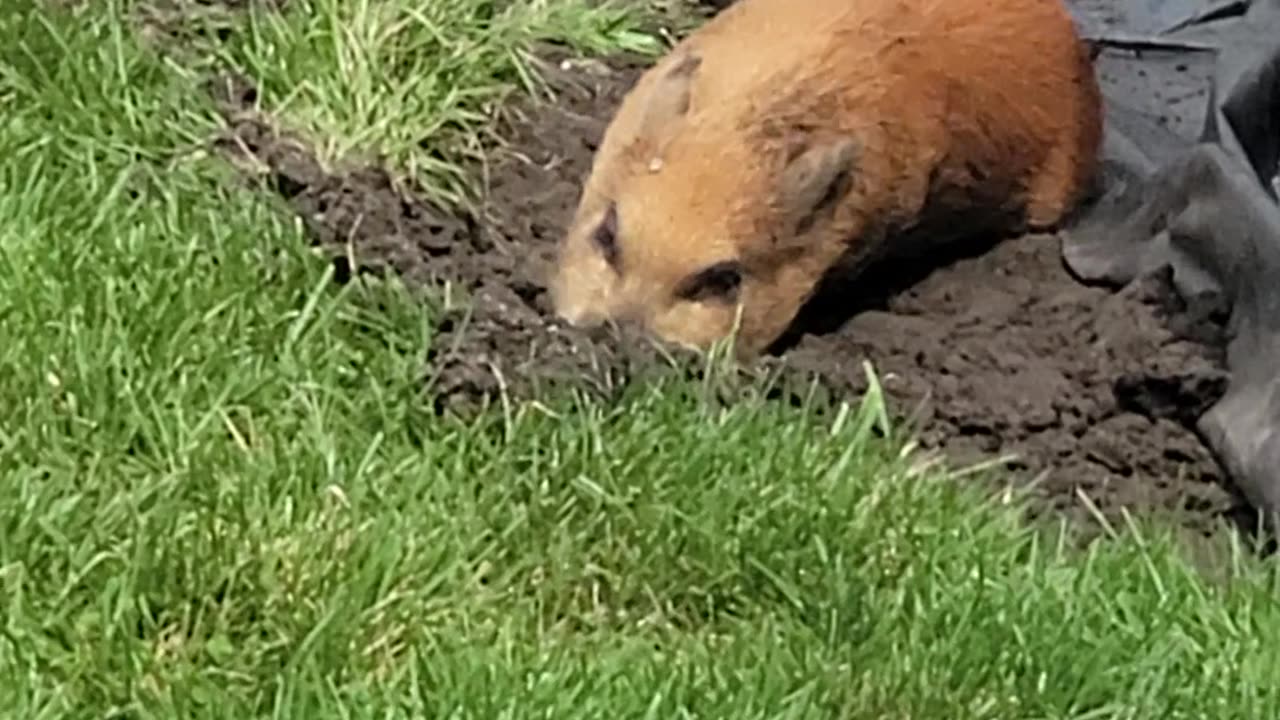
(224, 495)
(415, 81)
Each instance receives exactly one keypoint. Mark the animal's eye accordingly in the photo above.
(606, 236)
(719, 282)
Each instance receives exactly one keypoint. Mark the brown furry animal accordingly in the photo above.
(786, 137)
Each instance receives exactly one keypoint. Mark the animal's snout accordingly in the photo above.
(570, 304)
(578, 316)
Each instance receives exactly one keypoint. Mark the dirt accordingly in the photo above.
(192, 29)
(995, 352)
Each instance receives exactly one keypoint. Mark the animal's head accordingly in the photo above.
(695, 222)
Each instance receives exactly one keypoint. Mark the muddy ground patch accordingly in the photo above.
(998, 352)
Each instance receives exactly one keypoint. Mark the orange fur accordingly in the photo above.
(786, 136)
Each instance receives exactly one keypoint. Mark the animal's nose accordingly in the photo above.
(579, 317)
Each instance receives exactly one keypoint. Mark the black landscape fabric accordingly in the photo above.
(1190, 159)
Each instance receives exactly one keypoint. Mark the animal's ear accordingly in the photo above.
(668, 98)
(816, 178)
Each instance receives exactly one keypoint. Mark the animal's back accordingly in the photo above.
(992, 98)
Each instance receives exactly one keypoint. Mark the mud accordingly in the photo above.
(995, 352)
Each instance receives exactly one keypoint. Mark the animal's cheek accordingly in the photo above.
(769, 309)
(693, 324)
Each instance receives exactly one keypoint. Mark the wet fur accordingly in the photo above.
(788, 136)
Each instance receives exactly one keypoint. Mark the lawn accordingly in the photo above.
(225, 493)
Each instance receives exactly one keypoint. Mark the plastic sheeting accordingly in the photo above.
(1188, 184)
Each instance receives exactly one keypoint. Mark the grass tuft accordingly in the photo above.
(415, 82)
